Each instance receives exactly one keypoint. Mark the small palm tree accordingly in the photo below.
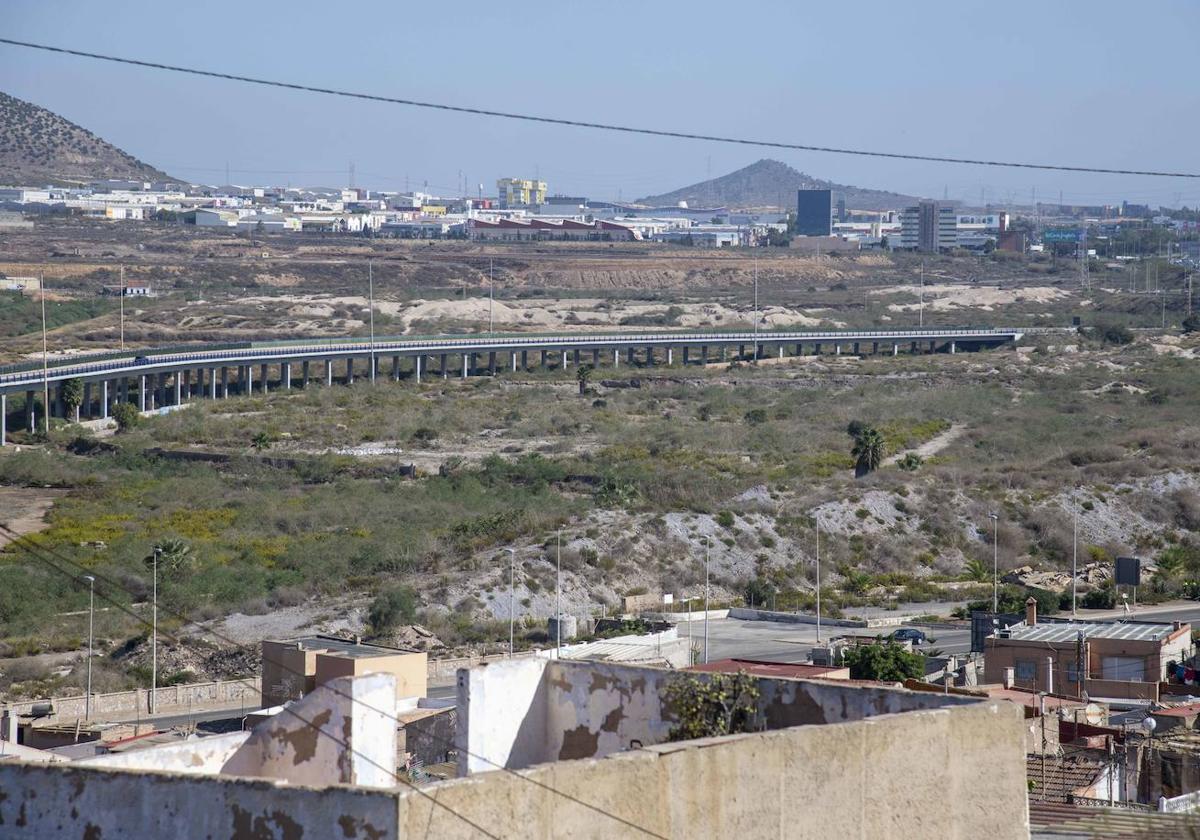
(261, 441)
(174, 554)
(868, 451)
(583, 375)
(976, 570)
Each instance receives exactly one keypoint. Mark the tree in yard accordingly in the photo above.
(713, 704)
(72, 395)
(886, 661)
(126, 416)
(583, 375)
(868, 451)
(392, 608)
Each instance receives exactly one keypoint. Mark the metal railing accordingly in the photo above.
(157, 359)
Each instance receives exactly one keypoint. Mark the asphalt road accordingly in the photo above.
(779, 642)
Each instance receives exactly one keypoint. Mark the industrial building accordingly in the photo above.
(814, 212)
(929, 227)
(520, 192)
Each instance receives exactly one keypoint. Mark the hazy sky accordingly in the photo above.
(1109, 84)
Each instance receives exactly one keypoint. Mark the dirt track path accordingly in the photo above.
(932, 446)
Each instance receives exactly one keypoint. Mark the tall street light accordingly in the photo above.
(995, 562)
(154, 637)
(491, 299)
(371, 304)
(818, 583)
(1074, 548)
(87, 701)
(706, 551)
(756, 309)
(558, 599)
(512, 581)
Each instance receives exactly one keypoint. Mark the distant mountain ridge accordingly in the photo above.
(771, 183)
(39, 147)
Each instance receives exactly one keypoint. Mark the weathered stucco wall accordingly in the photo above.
(957, 772)
(516, 715)
(202, 755)
(53, 802)
(174, 698)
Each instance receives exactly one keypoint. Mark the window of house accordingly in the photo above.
(1026, 670)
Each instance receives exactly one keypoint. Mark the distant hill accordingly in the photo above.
(770, 183)
(40, 147)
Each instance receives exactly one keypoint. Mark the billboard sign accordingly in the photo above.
(1062, 235)
(1128, 571)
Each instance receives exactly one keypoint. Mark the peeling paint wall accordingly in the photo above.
(342, 733)
(52, 802)
(201, 755)
(956, 773)
(516, 715)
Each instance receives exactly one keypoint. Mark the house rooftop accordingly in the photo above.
(766, 668)
(1068, 631)
(348, 647)
(1060, 821)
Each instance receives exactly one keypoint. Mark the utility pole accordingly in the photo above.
(45, 362)
(371, 295)
(87, 701)
(921, 317)
(756, 309)
(122, 307)
(154, 637)
(558, 599)
(491, 297)
(995, 562)
(512, 585)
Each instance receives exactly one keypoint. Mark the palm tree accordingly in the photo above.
(174, 554)
(1170, 566)
(868, 451)
(976, 570)
(583, 374)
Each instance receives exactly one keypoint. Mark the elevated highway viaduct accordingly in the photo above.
(171, 376)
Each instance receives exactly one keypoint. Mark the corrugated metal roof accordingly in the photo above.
(1068, 631)
(1055, 821)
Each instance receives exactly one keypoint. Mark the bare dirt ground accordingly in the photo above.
(23, 509)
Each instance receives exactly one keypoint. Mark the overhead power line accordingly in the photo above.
(653, 132)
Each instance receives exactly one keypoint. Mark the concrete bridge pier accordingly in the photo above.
(417, 368)
(304, 374)
(817, 349)
(856, 348)
(142, 392)
(29, 416)
(616, 358)
(837, 349)
(704, 354)
(576, 357)
(544, 360)
(685, 355)
(669, 357)
(224, 383)
(895, 349)
(525, 360)
(596, 357)
(933, 347)
(491, 362)
(513, 360)
(286, 370)
(328, 373)
(103, 400)
(85, 408)
(248, 381)
(264, 370)
(913, 348)
(781, 351)
(953, 348)
(649, 356)
(741, 351)
(874, 348)
(445, 370)
(466, 361)
(3, 419)
(178, 389)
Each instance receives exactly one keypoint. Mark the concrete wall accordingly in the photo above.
(515, 715)
(956, 772)
(48, 802)
(203, 756)
(122, 705)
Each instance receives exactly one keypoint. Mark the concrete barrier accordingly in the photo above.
(129, 705)
(747, 614)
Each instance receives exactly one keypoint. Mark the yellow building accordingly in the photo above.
(519, 192)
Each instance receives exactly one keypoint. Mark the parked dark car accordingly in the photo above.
(910, 634)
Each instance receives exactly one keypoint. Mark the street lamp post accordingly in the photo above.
(154, 637)
(756, 310)
(371, 305)
(87, 701)
(558, 598)
(491, 298)
(1074, 549)
(512, 582)
(995, 562)
(706, 547)
(818, 584)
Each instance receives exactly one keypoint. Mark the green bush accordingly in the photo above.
(126, 416)
(883, 661)
(392, 608)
